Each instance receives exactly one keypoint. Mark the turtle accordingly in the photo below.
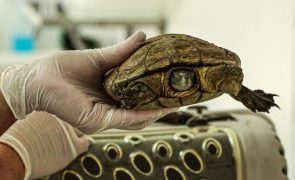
(174, 70)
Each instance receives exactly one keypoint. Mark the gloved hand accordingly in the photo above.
(70, 85)
(45, 143)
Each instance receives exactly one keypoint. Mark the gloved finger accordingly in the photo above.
(80, 141)
(112, 56)
(82, 144)
(125, 117)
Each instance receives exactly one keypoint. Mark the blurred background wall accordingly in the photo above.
(261, 32)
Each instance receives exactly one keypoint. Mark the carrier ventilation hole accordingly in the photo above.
(91, 165)
(192, 161)
(142, 163)
(173, 173)
(71, 175)
(123, 174)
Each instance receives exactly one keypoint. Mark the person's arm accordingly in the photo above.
(6, 116)
(11, 166)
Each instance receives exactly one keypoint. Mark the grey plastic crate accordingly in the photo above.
(233, 145)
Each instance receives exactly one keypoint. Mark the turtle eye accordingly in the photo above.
(182, 80)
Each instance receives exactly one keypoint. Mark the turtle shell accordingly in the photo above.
(173, 70)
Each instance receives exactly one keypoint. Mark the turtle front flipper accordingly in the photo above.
(256, 100)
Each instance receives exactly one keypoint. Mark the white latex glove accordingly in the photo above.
(44, 143)
(69, 85)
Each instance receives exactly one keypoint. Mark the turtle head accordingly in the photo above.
(221, 78)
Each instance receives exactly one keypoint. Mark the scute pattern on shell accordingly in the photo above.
(171, 50)
(143, 81)
(161, 52)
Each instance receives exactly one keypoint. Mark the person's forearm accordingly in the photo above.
(11, 166)
(6, 115)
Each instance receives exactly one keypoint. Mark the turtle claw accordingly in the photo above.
(257, 100)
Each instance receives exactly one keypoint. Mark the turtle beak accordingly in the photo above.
(225, 78)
